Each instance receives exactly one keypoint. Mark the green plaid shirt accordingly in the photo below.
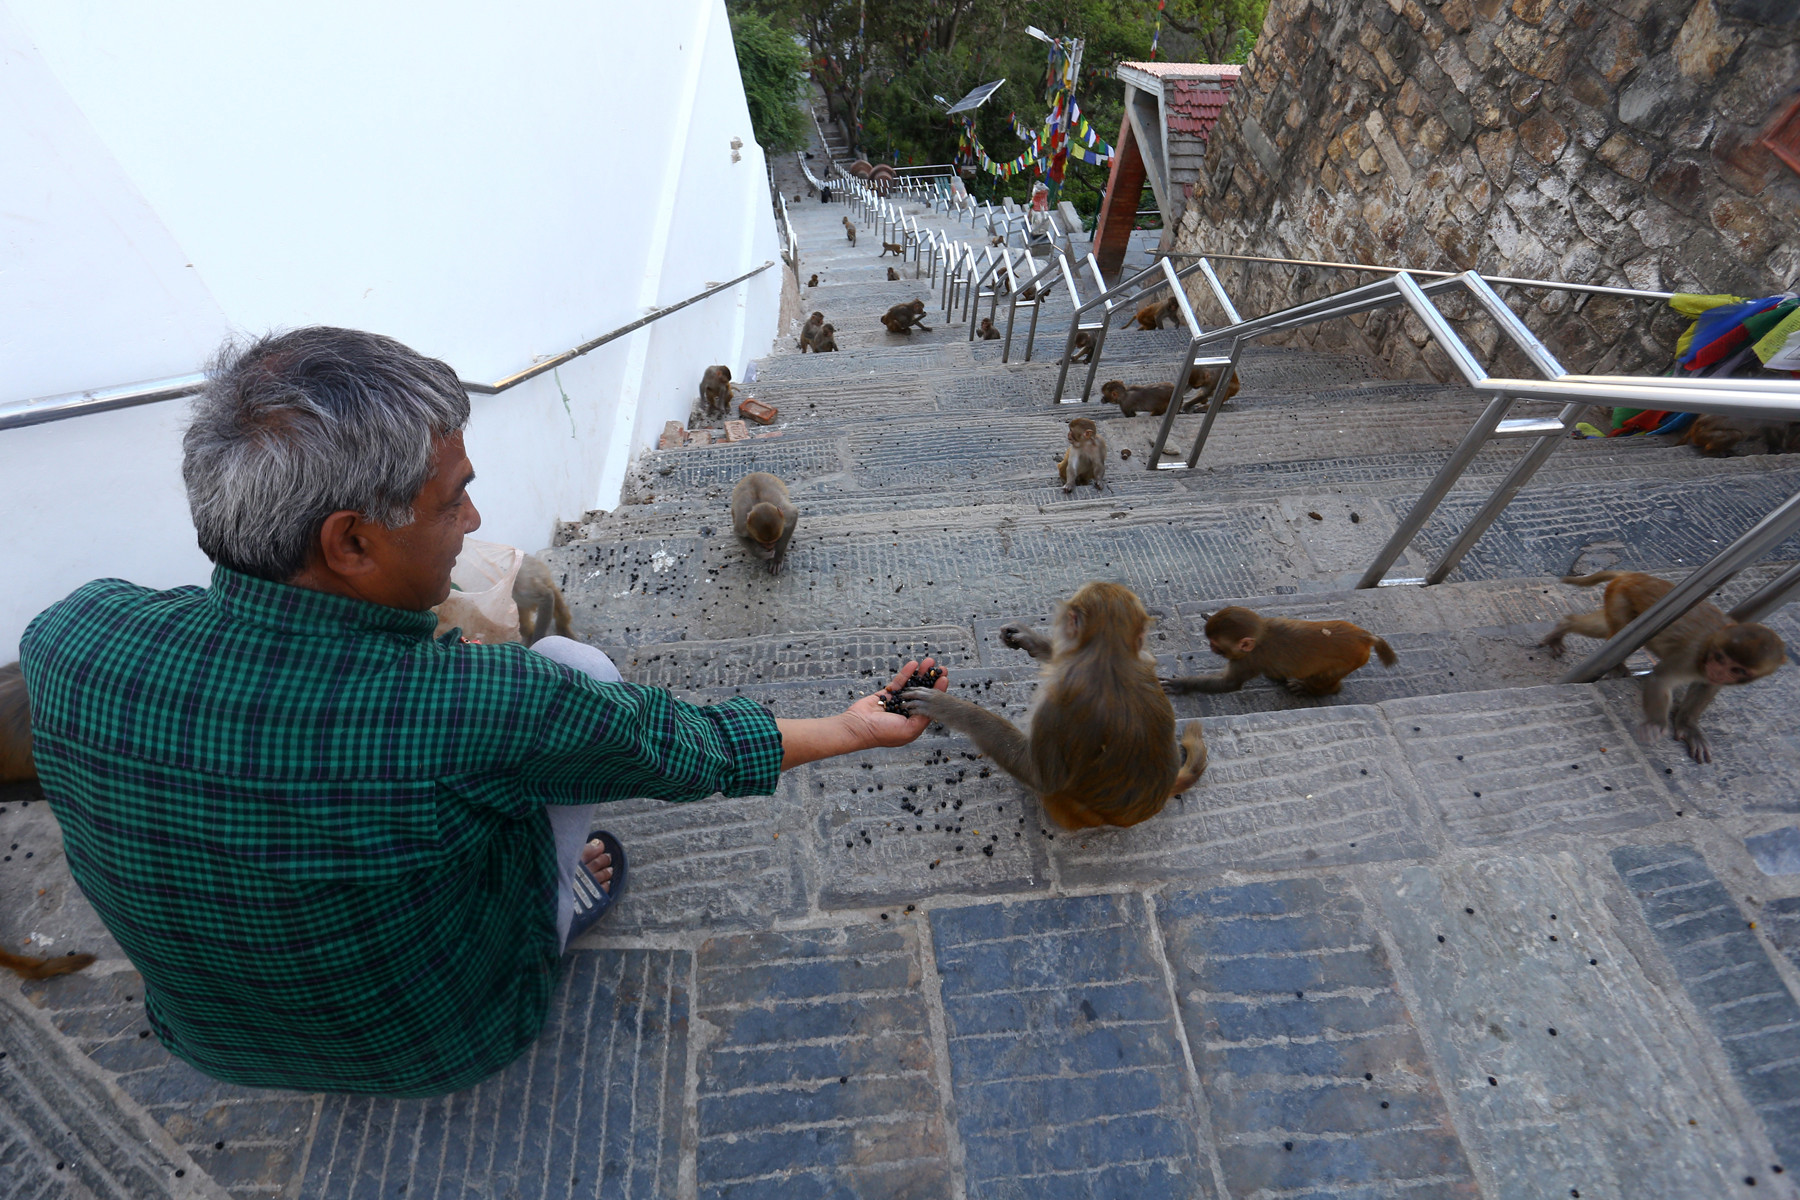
(318, 831)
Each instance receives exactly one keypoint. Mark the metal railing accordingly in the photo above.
(1770, 399)
(46, 409)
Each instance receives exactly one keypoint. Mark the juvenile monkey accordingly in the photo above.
(1152, 316)
(1721, 437)
(813, 282)
(893, 275)
(1084, 347)
(1309, 658)
(850, 231)
(986, 331)
(763, 516)
(716, 390)
(1154, 398)
(540, 601)
(903, 318)
(897, 249)
(809, 332)
(825, 340)
(1102, 748)
(1085, 459)
(1703, 648)
(16, 765)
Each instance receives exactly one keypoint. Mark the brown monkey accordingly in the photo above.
(1721, 437)
(902, 318)
(1310, 658)
(539, 600)
(1703, 648)
(1028, 292)
(897, 249)
(1152, 316)
(16, 765)
(813, 282)
(809, 332)
(893, 275)
(1154, 398)
(825, 340)
(997, 240)
(1085, 459)
(716, 390)
(1102, 748)
(763, 516)
(986, 331)
(850, 231)
(1084, 347)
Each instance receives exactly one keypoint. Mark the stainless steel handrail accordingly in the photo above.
(75, 404)
(1548, 284)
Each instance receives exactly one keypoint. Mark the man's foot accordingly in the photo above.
(599, 882)
(597, 863)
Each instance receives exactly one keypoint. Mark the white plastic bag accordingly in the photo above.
(482, 604)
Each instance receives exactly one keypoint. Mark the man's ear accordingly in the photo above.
(343, 544)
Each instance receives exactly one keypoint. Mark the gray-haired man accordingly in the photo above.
(333, 844)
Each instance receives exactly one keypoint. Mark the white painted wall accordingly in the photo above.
(491, 184)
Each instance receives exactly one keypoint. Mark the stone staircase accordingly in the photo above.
(1449, 934)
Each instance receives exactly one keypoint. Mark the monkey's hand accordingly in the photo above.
(879, 727)
(1023, 637)
(1650, 732)
(1552, 646)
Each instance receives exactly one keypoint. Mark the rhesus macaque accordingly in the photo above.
(813, 282)
(16, 765)
(1085, 459)
(825, 341)
(809, 332)
(796, 197)
(1704, 648)
(1028, 292)
(540, 601)
(1721, 437)
(716, 390)
(997, 240)
(763, 516)
(902, 318)
(893, 275)
(897, 249)
(850, 231)
(1152, 316)
(1084, 347)
(1309, 658)
(1102, 748)
(1154, 398)
(986, 331)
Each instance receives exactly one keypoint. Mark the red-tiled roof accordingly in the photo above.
(1193, 105)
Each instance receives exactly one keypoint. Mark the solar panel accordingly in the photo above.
(977, 98)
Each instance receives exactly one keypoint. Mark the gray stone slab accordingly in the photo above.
(1316, 1078)
(900, 829)
(1776, 852)
(1282, 790)
(815, 1073)
(1728, 975)
(1501, 766)
(867, 655)
(1603, 1107)
(1068, 1069)
(792, 456)
(41, 909)
(594, 1108)
(718, 862)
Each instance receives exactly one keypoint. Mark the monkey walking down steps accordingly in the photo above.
(1450, 931)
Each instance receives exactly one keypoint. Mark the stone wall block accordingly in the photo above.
(1705, 44)
(1743, 164)
(1543, 137)
(1496, 150)
(1589, 89)
(1745, 227)
(1615, 52)
(1762, 73)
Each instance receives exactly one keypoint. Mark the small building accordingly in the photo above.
(1170, 109)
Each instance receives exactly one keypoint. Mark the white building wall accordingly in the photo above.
(491, 184)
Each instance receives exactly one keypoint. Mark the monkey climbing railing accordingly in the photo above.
(1770, 399)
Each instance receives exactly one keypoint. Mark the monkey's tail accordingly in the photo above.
(1598, 577)
(1193, 761)
(562, 613)
(1385, 653)
(43, 968)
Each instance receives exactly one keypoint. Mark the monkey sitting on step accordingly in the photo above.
(904, 318)
(813, 282)
(540, 601)
(825, 341)
(1704, 649)
(810, 331)
(1309, 658)
(893, 275)
(1102, 748)
(716, 391)
(1085, 459)
(986, 331)
(764, 516)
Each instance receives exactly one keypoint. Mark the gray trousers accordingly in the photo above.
(571, 823)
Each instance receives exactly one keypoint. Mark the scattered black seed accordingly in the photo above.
(143, 1033)
(1440, 937)
(1593, 962)
(218, 1145)
(1492, 1082)
(910, 907)
(1553, 1031)
(884, 916)
(1384, 1104)
(1356, 518)
(1299, 995)
(1287, 1145)
(1315, 516)
(1470, 911)
(843, 1079)
(1368, 1075)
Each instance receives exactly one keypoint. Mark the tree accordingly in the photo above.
(771, 64)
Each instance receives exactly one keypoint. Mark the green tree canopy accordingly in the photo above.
(771, 63)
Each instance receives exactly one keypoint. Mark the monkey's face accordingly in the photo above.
(1112, 392)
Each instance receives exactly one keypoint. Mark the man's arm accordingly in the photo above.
(863, 726)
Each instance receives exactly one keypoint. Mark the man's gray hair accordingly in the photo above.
(296, 426)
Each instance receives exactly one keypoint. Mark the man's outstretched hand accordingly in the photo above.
(863, 726)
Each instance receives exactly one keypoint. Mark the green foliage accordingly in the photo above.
(771, 63)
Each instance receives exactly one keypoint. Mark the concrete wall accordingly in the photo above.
(489, 184)
(1594, 141)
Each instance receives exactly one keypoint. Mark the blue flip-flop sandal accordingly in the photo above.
(591, 901)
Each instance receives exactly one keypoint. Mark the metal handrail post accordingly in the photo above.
(1769, 597)
(1068, 279)
(1039, 291)
(1178, 389)
(1215, 401)
(1219, 293)
(1761, 538)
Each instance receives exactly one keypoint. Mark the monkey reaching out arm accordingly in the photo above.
(1102, 748)
(904, 318)
(1084, 347)
(1704, 649)
(1309, 658)
(1085, 459)
(763, 516)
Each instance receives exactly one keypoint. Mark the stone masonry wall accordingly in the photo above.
(1594, 141)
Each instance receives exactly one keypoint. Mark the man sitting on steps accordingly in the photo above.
(346, 855)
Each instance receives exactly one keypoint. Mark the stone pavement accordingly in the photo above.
(1449, 934)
